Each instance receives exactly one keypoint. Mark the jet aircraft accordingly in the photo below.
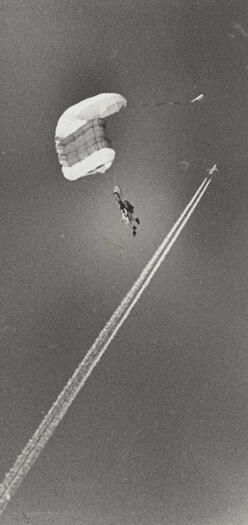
(212, 170)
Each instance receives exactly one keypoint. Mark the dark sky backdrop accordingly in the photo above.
(159, 433)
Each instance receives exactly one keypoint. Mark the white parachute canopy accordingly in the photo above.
(80, 137)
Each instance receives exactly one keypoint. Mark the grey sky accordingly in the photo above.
(159, 433)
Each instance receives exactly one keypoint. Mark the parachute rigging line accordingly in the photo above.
(35, 445)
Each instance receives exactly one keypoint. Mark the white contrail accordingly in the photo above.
(56, 413)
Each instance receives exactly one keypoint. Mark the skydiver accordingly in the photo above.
(129, 207)
(127, 211)
(130, 211)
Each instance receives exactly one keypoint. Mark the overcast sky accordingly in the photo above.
(158, 435)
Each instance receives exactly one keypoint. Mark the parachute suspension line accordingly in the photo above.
(114, 179)
(59, 408)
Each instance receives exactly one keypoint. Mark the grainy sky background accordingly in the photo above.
(159, 433)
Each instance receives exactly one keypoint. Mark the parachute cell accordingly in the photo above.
(80, 138)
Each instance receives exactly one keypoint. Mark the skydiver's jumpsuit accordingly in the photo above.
(127, 215)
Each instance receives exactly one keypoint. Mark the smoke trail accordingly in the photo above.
(56, 413)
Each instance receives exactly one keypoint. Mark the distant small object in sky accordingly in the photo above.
(212, 170)
(198, 98)
(114, 53)
(241, 30)
(185, 164)
(176, 102)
